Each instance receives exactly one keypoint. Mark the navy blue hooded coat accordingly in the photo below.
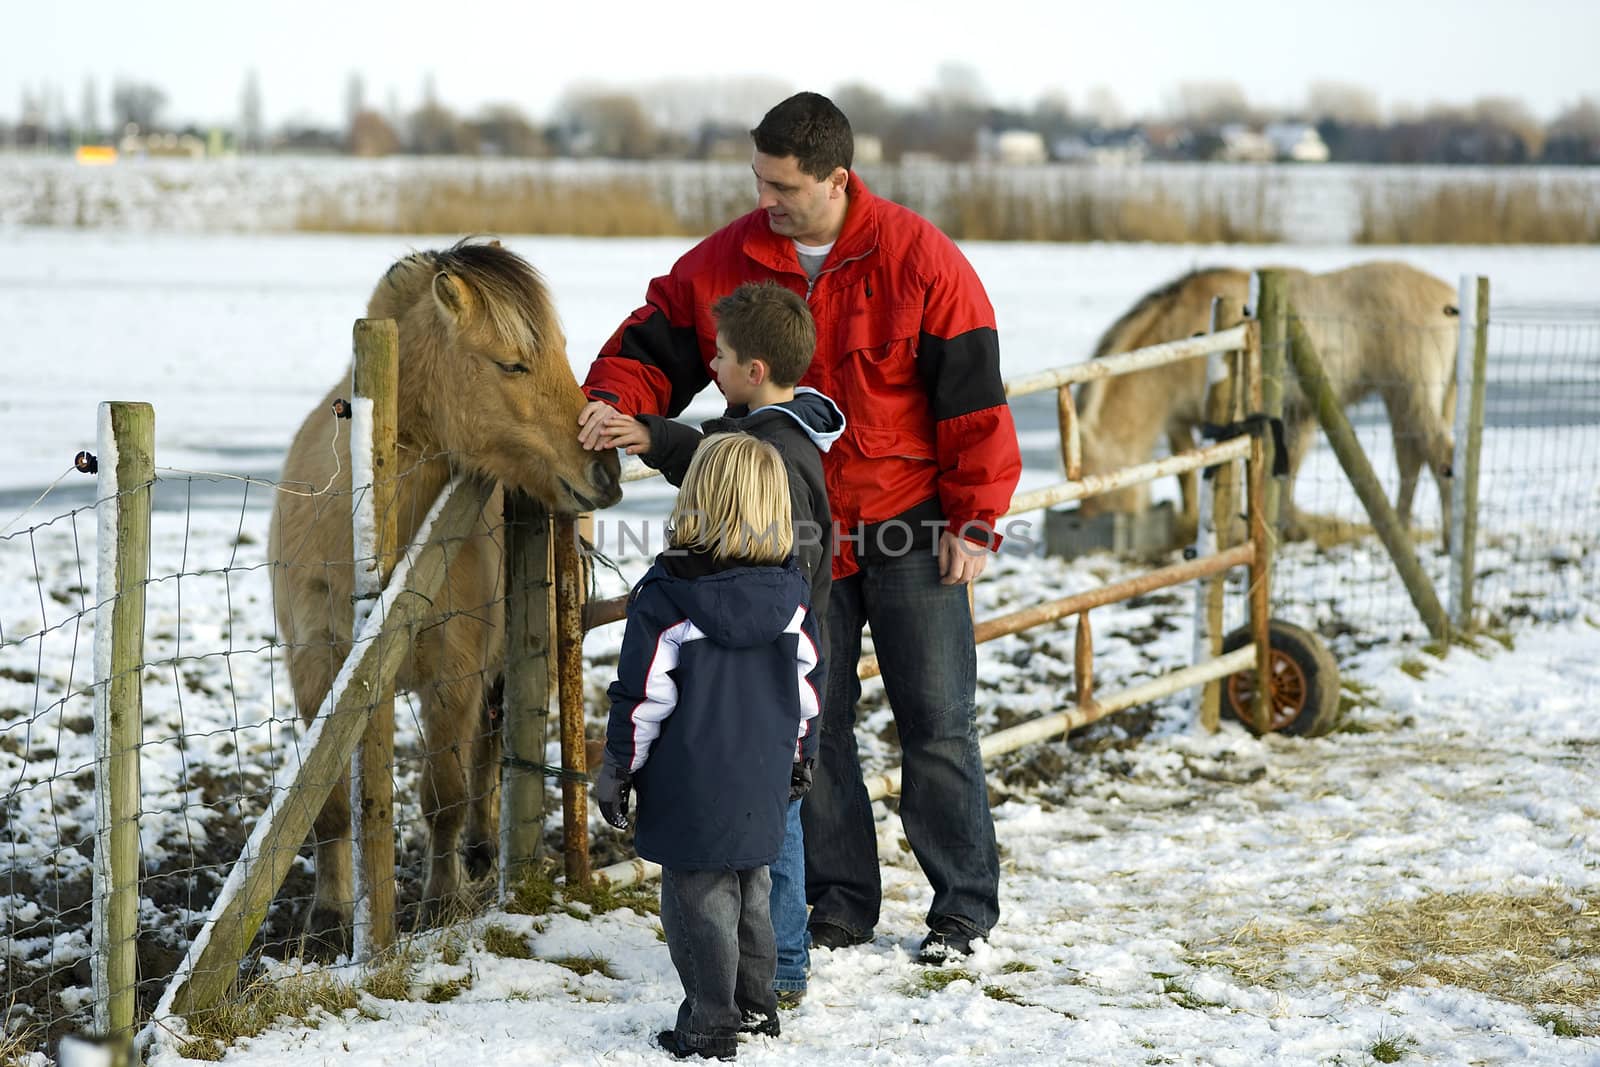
(717, 691)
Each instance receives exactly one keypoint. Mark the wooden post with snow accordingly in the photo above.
(375, 385)
(126, 479)
(1472, 364)
(530, 607)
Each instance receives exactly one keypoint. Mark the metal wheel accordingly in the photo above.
(1304, 697)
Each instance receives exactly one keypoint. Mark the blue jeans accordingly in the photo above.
(719, 935)
(922, 632)
(789, 906)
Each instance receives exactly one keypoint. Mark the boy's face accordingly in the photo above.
(738, 380)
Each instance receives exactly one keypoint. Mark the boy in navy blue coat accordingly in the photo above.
(718, 686)
(765, 340)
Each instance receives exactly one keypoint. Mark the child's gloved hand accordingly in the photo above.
(800, 778)
(611, 790)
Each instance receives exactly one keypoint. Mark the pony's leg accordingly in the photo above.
(1301, 432)
(313, 662)
(450, 713)
(1181, 439)
(482, 844)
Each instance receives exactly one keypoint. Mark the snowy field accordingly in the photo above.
(1168, 896)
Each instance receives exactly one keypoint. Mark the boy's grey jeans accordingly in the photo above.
(719, 933)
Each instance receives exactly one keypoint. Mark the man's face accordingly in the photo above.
(733, 377)
(797, 205)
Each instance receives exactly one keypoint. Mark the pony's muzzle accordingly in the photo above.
(603, 482)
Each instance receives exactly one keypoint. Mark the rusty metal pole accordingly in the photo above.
(1083, 661)
(569, 654)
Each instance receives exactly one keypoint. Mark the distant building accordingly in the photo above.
(1011, 146)
(1103, 148)
(1241, 144)
(1298, 142)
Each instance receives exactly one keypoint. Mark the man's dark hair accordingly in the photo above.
(765, 321)
(810, 128)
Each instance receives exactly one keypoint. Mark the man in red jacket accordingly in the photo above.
(907, 347)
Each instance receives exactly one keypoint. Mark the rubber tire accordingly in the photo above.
(1319, 710)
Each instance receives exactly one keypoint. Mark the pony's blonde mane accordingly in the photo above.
(511, 296)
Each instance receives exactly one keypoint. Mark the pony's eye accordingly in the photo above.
(512, 368)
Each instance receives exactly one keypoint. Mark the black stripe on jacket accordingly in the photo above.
(961, 373)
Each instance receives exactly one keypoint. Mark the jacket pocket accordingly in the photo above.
(881, 383)
(910, 442)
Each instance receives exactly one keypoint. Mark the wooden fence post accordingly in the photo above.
(375, 386)
(1272, 311)
(1314, 383)
(1212, 520)
(569, 650)
(126, 480)
(1472, 359)
(530, 608)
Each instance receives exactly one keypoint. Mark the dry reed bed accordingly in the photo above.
(1484, 213)
(971, 206)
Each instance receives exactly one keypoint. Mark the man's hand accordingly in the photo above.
(960, 560)
(800, 778)
(592, 423)
(611, 790)
(627, 433)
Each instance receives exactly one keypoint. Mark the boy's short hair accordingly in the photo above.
(809, 127)
(765, 321)
(734, 502)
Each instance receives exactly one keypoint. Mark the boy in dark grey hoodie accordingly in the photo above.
(765, 339)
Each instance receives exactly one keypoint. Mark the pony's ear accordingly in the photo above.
(451, 295)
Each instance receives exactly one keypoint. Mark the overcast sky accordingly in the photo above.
(525, 52)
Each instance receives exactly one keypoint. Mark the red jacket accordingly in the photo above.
(906, 346)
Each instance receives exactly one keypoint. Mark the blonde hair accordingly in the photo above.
(734, 502)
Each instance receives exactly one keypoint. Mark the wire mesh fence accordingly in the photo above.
(1538, 498)
(222, 742)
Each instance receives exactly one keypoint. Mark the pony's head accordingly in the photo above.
(484, 374)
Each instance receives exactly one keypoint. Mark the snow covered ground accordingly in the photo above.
(1168, 896)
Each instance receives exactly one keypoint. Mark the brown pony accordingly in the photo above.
(1379, 328)
(484, 386)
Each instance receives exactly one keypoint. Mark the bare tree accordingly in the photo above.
(1574, 136)
(371, 135)
(868, 110)
(504, 130)
(1210, 103)
(138, 104)
(435, 131)
(89, 111)
(1103, 108)
(607, 122)
(1510, 118)
(1342, 102)
(355, 99)
(250, 138)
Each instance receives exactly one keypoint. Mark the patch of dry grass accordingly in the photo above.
(1477, 212)
(1535, 950)
(506, 943)
(585, 965)
(305, 998)
(538, 893)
